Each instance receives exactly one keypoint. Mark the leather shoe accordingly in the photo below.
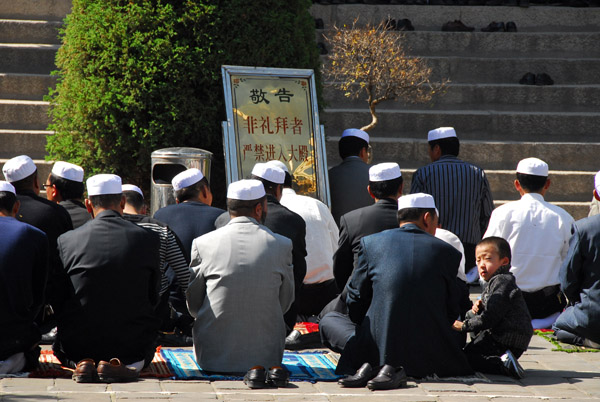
(404, 25)
(86, 371)
(256, 377)
(388, 378)
(115, 371)
(360, 378)
(494, 27)
(511, 26)
(527, 79)
(456, 26)
(543, 79)
(278, 377)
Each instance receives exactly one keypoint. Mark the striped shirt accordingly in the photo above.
(462, 195)
(171, 254)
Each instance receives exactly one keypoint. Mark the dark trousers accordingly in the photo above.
(483, 353)
(26, 343)
(545, 302)
(336, 329)
(469, 256)
(314, 297)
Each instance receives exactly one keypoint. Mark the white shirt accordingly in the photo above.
(455, 242)
(322, 234)
(538, 233)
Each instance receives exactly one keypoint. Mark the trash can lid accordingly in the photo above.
(178, 152)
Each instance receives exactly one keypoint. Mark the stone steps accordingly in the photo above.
(29, 31)
(27, 142)
(27, 58)
(25, 86)
(23, 114)
(533, 19)
(47, 10)
(490, 125)
(502, 97)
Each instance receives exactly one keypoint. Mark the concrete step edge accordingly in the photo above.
(482, 142)
(23, 102)
(5, 131)
(451, 84)
(462, 111)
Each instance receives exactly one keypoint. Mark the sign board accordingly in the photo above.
(272, 114)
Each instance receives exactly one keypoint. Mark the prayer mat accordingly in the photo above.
(307, 366)
(548, 335)
(50, 367)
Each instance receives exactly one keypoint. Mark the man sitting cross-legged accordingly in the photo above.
(242, 283)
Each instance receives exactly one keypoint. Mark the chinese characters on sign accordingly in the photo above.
(273, 120)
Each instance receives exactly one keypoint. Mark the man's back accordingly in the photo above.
(348, 183)
(403, 296)
(241, 285)
(462, 196)
(189, 220)
(113, 268)
(77, 211)
(23, 273)
(354, 226)
(538, 233)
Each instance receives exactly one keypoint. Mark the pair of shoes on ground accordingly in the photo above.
(296, 341)
(512, 366)
(400, 25)
(494, 26)
(388, 377)
(539, 79)
(259, 377)
(112, 371)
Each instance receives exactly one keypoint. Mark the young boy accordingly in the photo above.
(500, 322)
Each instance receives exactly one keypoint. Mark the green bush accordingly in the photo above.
(136, 76)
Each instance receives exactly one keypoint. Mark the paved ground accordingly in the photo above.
(550, 376)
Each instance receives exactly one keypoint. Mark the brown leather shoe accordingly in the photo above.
(114, 371)
(85, 371)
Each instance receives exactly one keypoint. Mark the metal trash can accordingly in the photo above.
(168, 163)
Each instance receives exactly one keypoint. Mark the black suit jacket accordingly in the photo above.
(113, 269)
(354, 226)
(53, 220)
(348, 183)
(77, 211)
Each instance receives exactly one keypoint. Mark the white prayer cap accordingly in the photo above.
(384, 171)
(102, 184)
(441, 132)
(246, 190)
(533, 166)
(597, 183)
(68, 171)
(355, 132)
(132, 187)
(417, 200)
(6, 186)
(279, 164)
(269, 172)
(186, 178)
(18, 168)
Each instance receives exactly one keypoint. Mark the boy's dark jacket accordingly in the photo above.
(504, 312)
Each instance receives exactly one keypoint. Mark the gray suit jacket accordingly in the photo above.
(241, 284)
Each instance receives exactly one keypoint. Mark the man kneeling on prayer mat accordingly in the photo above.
(402, 301)
(112, 268)
(242, 283)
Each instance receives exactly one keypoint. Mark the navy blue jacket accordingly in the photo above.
(402, 295)
(189, 220)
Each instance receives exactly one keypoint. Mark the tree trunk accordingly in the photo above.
(374, 119)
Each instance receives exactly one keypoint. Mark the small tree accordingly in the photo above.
(373, 60)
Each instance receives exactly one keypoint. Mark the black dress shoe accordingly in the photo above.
(494, 27)
(404, 25)
(360, 379)
(388, 378)
(527, 79)
(456, 26)
(543, 79)
(511, 26)
(256, 377)
(278, 377)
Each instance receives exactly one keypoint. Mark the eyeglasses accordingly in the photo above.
(45, 186)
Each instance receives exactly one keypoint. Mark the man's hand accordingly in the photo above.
(457, 326)
(478, 305)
